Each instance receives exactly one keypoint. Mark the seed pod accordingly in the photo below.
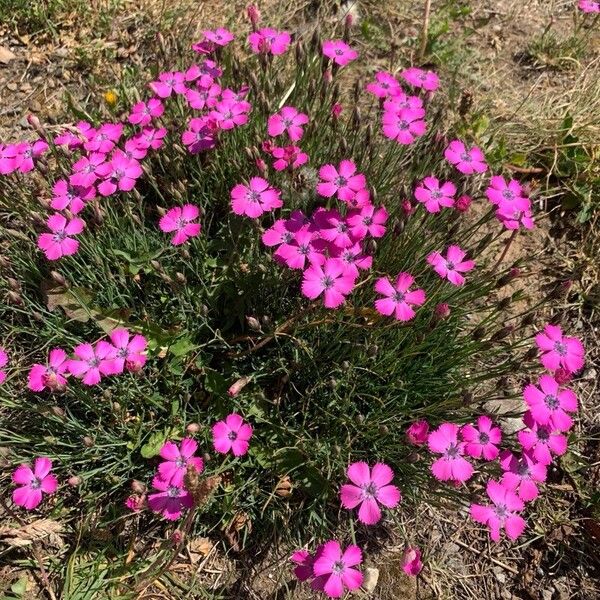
(4, 262)
(284, 487)
(74, 481)
(502, 333)
(156, 265)
(192, 428)
(504, 303)
(181, 278)
(14, 298)
(528, 319)
(138, 487)
(236, 387)
(88, 442)
(57, 411)
(384, 429)
(530, 354)
(13, 284)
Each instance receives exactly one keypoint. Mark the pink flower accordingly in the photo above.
(200, 135)
(149, 137)
(7, 159)
(205, 97)
(168, 83)
(229, 114)
(129, 351)
(467, 161)
(71, 197)
(142, 113)
(269, 40)
(120, 173)
(253, 14)
(332, 227)
(220, 36)
(353, 258)
(404, 126)
(339, 52)
(433, 195)
(411, 561)
(135, 503)
(521, 474)
(385, 85)
(336, 110)
(333, 570)
(299, 249)
(21, 156)
(177, 460)
(589, 6)
(232, 434)
(401, 101)
(58, 243)
(398, 298)
(51, 375)
(482, 441)
(369, 488)
(3, 363)
(170, 500)
(282, 231)
(427, 80)
(304, 562)
(92, 362)
(331, 279)
(516, 214)
(541, 440)
(559, 351)
(417, 433)
(451, 465)
(33, 483)
(288, 119)
(500, 192)
(179, 219)
(255, 198)
(549, 404)
(451, 267)
(103, 139)
(84, 170)
(503, 513)
(290, 156)
(343, 181)
(370, 220)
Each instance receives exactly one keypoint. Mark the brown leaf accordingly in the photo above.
(284, 487)
(240, 521)
(6, 55)
(199, 548)
(42, 529)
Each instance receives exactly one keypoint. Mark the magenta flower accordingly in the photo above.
(219, 37)
(451, 267)
(304, 562)
(467, 161)
(92, 362)
(103, 139)
(370, 220)
(369, 488)
(516, 214)
(58, 243)
(417, 433)
(267, 40)
(433, 195)
(299, 250)
(50, 375)
(34, 483)
(200, 135)
(70, 197)
(559, 351)
(232, 434)
(353, 258)
(84, 170)
(332, 279)
(129, 351)
(332, 227)
(179, 219)
(451, 465)
(339, 52)
(419, 78)
(401, 101)
(399, 299)
(255, 198)
(541, 440)
(385, 85)
(3, 363)
(589, 6)
(142, 113)
(26, 153)
(503, 514)
(500, 192)
(333, 570)
(521, 473)
(282, 231)
(404, 126)
(229, 114)
(411, 561)
(203, 74)
(463, 203)
(178, 458)
(168, 83)
(549, 404)
(170, 500)
(150, 137)
(205, 97)
(343, 181)
(120, 173)
(7, 159)
(288, 120)
(289, 156)
(482, 441)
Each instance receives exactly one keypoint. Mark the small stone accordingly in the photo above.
(370, 580)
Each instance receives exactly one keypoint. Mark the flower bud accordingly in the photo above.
(284, 487)
(508, 277)
(442, 311)
(192, 428)
(253, 15)
(181, 278)
(463, 203)
(238, 386)
(57, 411)
(478, 333)
(562, 375)
(384, 429)
(138, 487)
(528, 319)
(13, 284)
(417, 432)
(407, 207)
(530, 354)
(502, 333)
(261, 165)
(14, 298)
(88, 442)
(336, 111)
(74, 481)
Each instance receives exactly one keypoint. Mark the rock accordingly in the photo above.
(499, 574)
(370, 580)
(6, 55)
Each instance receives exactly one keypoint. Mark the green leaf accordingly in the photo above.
(182, 347)
(20, 587)
(214, 382)
(153, 445)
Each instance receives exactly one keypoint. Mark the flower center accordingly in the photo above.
(94, 362)
(551, 401)
(543, 434)
(507, 194)
(339, 52)
(340, 181)
(123, 353)
(484, 438)
(399, 296)
(369, 490)
(341, 228)
(253, 196)
(337, 567)
(288, 122)
(403, 125)
(35, 484)
(436, 194)
(523, 471)
(327, 282)
(501, 511)
(452, 451)
(181, 462)
(465, 157)
(232, 435)
(173, 492)
(560, 348)
(303, 249)
(287, 237)
(450, 265)
(368, 221)
(59, 236)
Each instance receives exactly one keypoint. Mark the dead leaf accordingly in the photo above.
(199, 548)
(6, 55)
(232, 533)
(42, 529)
(284, 487)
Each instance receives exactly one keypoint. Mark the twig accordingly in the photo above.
(425, 30)
(494, 560)
(36, 552)
(505, 251)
